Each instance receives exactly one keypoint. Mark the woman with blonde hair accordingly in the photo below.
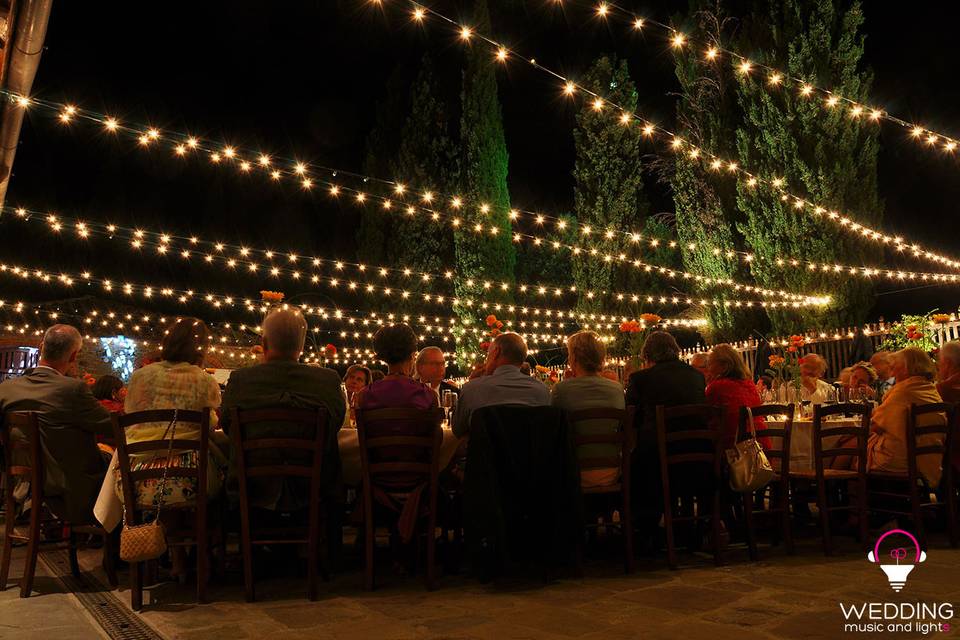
(731, 388)
(588, 388)
(887, 446)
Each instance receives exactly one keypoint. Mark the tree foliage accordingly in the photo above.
(484, 165)
(825, 155)
(609, 181)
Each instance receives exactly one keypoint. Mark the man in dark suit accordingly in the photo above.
(283, 382)
(70, 418)
(668, 381)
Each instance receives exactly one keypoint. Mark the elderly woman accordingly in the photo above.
(588, 388)
(732, 388)
(812, 386)
(887, 446)
(862, 381)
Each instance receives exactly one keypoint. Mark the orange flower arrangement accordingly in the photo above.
(271, 296)
(88, 379)
(776, 361)
(542, 369)
(650, 318)
(940, 318)
(913, 333)
(330, 350)
(630, 326)
(491, 320)
(795, 343)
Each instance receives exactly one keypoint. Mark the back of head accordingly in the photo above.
(660, 346)
(917, 363)
(587, 350)
(950, 351)
(729, 361)
(105, 386)
(395, 343)
(284, 331)
(699, 360)
(60, 342)
(511, 348)
(186, 341)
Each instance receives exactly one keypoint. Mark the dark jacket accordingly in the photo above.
(70, 420)
(288, 385)
(668, 383)
(522, 487)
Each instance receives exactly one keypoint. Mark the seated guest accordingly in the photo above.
(376, 374)
(70, 420)
(861, 384)
(948, 385)
(431, 367)
(812, 386)
(356, 378)
(882, 364)
(587, 388)
(732, 388)
(177, 381)
(281, 381)
(396, 345)
(109, 391)
(501, 382)
(699, 361)
(664, 380)
(887, 446)
(844, 377)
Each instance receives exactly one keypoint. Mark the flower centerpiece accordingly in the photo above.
(784, 367)
(634, 333)
(494, 328)
(272, 296)
(330, 351)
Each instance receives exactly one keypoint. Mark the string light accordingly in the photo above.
(300, 169)
(678, 39)
(138, 236)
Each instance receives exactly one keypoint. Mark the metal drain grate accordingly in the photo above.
(118, 621)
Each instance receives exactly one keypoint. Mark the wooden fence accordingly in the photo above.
(14, 360)
(835, 348)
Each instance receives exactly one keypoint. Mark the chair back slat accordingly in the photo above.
(915, 432)
(619, 438)
(399, 447)
(129, 478)
(784, 434)
(311, 422)
(822, 430)
(27, 423)
(704, 419)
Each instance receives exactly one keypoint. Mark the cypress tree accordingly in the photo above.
(826, 155)
(426, 156)
(609, 183)
(382, 144)
(706, 214)
(484, 165)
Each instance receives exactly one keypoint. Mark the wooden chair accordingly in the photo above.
(907, 486)
(821, 474)
(28, 424)
(194, 536)
(310, 468)
(700, 446)
(621, 439)
(779, 499)
(400, 454)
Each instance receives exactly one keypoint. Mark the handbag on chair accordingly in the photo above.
(148, 541)
(750, 469)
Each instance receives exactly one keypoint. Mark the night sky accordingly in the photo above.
(302, 79)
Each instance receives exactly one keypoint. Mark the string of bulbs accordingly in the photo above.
(678, 143)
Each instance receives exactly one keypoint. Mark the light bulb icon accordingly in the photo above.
(897, 573)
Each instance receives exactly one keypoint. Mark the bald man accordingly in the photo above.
(70, 419)
(281, 381)
(502, 382)
(431, 367)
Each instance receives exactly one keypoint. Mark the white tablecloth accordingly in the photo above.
(801, 439)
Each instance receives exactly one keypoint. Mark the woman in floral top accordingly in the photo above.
(177, 382)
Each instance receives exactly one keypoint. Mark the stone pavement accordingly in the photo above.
(778, 597)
